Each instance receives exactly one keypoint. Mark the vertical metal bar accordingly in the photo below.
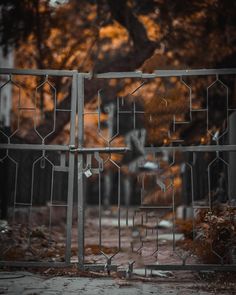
(192, 179)
(134, 114)
(71, 169)
(174, 217)
(15, 192)
(157, 240)
(142, 190)
(193, 194)
(80, 87)
(30, 222)
(118, 115)
(99, 209)
(119, 228)
(51, 202)
(209, 186)
(194, 223)
(99, 111)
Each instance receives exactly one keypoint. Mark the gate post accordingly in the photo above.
(80, 87)
(71, 169)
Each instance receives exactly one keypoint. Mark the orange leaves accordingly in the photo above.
(114, 31)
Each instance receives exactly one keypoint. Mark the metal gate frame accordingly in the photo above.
(77, 107)
(52, 147)
(83, 151)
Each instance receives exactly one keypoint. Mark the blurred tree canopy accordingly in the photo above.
(124, 35)
(80, 34)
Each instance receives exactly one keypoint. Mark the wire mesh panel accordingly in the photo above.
(37, 168)
(166, 199)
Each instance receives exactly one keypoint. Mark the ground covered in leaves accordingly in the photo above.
(138, 243)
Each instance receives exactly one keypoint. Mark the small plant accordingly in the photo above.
(213, 237)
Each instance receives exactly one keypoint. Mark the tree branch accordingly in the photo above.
(143, 49)
(124, 15)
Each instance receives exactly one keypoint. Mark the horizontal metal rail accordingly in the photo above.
(100, 150)
(120, 75)
(163, 73)
(197, 267)
(34, 264)
(40, 147)
(36, 72)
(154, 207)
(90, 150)
(35, 147)
(198, 148)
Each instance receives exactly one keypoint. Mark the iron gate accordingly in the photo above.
(159, 161)
(45, 160)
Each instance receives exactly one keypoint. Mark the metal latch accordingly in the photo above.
(85, 150)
